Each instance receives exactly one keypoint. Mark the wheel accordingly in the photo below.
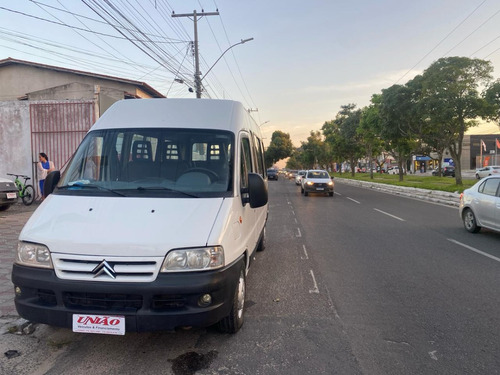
(233, 322)
(301, 190)
(477, 176)
(470, 221)
(262, 242)
(213, 176)
(28, 195)
(306, 193)
(330, 194)
(4, 207)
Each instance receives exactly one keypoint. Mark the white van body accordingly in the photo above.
(152, 225)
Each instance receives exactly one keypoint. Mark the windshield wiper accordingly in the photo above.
(80, 185)
(142, 188)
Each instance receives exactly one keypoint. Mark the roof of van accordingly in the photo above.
(174, 113)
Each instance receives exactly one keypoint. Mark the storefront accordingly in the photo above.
(423, 163)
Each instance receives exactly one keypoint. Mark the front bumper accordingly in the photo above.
(318, 188)
(170, 301)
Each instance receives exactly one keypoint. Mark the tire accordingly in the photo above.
(477, 176)
(301, 190)
(330, 194)
(4, 207)
(306, 193)
(28, 195)
(233, 322)
(470, 223)
(263, 240)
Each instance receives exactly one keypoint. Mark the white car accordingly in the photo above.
(487, 171)
(298, 178)
(480, 205)
(317, 181)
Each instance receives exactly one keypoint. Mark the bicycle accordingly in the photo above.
(26, 192)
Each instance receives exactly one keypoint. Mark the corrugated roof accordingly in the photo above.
(144, 86)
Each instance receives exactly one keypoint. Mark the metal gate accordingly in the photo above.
(57, 129)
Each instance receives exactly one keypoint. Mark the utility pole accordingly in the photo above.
(197, 74)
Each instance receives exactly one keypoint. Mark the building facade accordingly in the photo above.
(50, 109)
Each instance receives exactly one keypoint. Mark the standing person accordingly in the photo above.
(44, 167)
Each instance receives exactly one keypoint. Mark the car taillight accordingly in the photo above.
(461, 196)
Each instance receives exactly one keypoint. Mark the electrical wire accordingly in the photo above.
(442, 40)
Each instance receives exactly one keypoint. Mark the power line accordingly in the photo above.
(442, 40)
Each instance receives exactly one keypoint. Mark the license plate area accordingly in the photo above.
(100, 324)
(11, 195)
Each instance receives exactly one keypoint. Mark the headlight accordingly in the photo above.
(309, 183)
(198, 259)
(34, 255)
(330, 183)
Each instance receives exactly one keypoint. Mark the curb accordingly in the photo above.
(435, 196)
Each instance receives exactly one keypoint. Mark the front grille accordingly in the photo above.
(102, 301)
(124, 269)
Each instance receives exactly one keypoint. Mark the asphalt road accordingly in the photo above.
(359, 283)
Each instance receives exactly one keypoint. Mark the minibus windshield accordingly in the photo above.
(151, 162)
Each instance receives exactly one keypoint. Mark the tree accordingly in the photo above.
(450, 89)
(395, 124)
(313, 150)
(368, 131)
(342, 137)
(280, 147)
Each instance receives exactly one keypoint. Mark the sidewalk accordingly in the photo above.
(11, 222)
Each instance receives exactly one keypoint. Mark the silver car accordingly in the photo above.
(298, 178)
(488, 171)
(317, 181)
(480, 205)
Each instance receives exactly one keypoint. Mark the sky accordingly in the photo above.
(306, 59)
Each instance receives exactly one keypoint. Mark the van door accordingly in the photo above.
(248, 218)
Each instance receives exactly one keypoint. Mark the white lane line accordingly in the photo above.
(315, 290)
(388, 214)
(305, 253)
(296, 222)
(474, 250)
(354, 200)
(299, 234)
(293, 212)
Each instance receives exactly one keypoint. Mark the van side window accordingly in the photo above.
(259, 158)
(245, 161)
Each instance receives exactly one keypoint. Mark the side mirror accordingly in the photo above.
(50, 182)
(257, 194)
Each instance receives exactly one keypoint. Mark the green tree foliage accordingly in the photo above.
(395, 120)
(368, 132)
(450, 89)
(492, 96)
(280, 148)
(314, 153)
(342, 137)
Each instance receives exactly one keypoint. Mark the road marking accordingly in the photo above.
(315, 290)
(305, 252)
(296, 222)
(293, 212)
(388, 214)
(354, 200)
(474, 250)
(299, 234)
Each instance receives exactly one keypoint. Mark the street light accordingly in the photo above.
(223, 53)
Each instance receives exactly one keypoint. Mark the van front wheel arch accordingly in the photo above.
(233, 322)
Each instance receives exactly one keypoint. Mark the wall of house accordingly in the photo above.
(15, 139)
